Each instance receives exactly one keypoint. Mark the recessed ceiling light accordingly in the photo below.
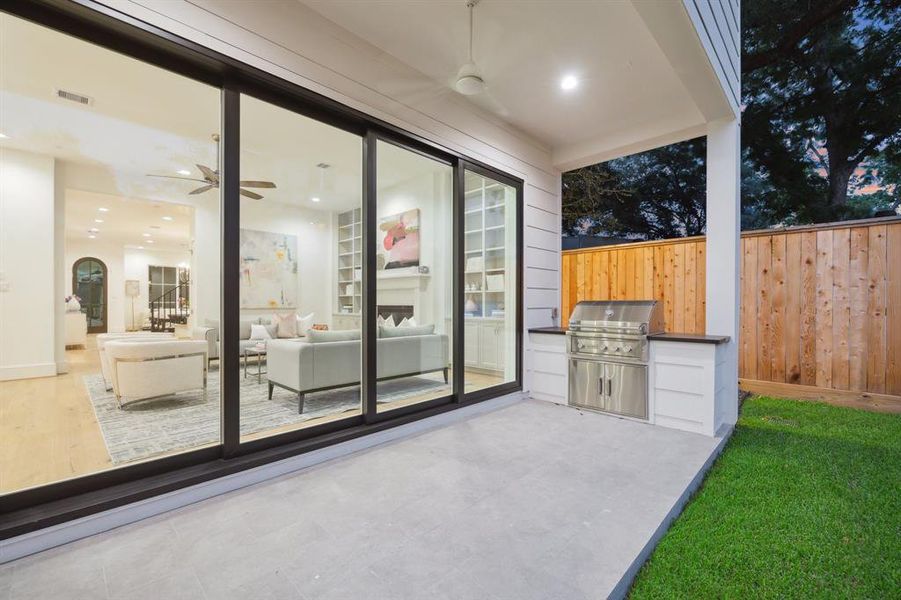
(314, 199)
(569, 82)
(167, 218)
(3, 136)
(153, 226)
(92, 236)
(94, 230)
(140, 247)
(146, 234)
(150, 241)
(98, 220)
(183, 172)
(103, 209)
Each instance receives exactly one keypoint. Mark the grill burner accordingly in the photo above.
(608, 354)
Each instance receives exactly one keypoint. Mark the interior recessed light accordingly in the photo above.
(167, 218)
(150, 242)
(98, 220)
(146, 234)
(103, 209)
(314, 199)
(94, 230)
(3, 136)
(569, 82)
(183, 172)
(92, 236)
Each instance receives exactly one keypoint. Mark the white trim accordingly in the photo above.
(71, 531)
(27, 371)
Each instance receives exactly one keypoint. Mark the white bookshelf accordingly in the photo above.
(486, 260)
(350, 262)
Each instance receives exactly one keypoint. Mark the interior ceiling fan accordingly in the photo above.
(469, 80)
(211, 179)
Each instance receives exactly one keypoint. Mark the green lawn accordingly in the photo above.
(805, 502)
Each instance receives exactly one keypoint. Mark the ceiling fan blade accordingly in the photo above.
(251, 195)
(201, 189)
(257, 184)
(210, 174)
(176, 177)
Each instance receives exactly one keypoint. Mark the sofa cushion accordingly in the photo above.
(260, 332)
(390, 332)
(243, 327)
(304, 323)
(287, 325)
(342, 335)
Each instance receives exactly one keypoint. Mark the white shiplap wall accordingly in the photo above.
(718, 23)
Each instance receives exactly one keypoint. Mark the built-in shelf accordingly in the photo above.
(485, 250)
(350, 250)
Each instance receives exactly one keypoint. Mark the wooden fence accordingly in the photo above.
(820, 305)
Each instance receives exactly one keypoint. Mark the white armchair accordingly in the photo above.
(104, 338)
(145, 368)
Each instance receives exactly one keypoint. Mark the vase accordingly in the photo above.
(73, 305)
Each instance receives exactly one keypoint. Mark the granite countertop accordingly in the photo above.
(689, 337)
(552, 330)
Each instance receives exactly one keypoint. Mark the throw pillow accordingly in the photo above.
(259, 332)
(407, 322)
(390, 332)
(304, 323)
(389, 322)
(287, 325)
(315, 336)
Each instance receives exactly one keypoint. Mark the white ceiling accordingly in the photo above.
(145, 120)
(523, 49)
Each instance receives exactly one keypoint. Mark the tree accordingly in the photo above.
(653, 195)
(822, 96)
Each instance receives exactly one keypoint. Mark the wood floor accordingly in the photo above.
(48, 431)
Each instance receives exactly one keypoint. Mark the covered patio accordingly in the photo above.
(530, 500)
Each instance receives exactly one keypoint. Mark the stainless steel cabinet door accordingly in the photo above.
(586, 384)
(626, 389)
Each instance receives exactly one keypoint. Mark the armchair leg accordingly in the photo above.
(300, 396)
(445, 374)
(270, 390)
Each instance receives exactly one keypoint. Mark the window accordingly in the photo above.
(168, 286)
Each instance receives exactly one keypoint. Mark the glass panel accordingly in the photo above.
(414, 277)
(300, 246)
(489, 329)
(92, 156)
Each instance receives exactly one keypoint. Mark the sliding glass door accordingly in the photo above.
(414, 263)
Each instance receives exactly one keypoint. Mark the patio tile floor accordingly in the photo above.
(534, 500)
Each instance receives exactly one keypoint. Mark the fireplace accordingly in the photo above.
(398, 311)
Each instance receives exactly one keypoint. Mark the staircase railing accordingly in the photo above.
(170, 309)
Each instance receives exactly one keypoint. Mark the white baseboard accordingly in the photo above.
(27, 371)
(71, 531)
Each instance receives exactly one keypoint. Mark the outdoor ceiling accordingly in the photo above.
(523, 50)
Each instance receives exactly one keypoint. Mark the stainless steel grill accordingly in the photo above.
(607, 345)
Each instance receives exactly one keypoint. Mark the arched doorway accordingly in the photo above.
(89, 283)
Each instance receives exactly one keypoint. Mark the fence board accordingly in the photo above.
(819, 305)
(792, 309)
(876, 356)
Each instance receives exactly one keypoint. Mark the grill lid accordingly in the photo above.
(617, 314)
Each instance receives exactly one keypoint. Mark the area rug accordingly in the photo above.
(188, 420)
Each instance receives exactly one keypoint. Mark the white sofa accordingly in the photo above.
(104, 338)
(304, 366)
(210, 333)
(147, 368)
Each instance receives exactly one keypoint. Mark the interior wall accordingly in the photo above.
(27, 281)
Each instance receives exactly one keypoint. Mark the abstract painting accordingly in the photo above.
(399, 246)
(268, 269)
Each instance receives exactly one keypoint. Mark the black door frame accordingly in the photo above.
(36, 508)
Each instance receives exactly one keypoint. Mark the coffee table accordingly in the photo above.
(260, 353)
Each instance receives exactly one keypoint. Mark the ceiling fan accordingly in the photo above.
(469, 78)
(211, 179)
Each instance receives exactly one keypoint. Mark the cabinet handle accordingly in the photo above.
(609, 385)
(600, 386)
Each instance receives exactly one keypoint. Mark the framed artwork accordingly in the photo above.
(268, 269)
(399, 241)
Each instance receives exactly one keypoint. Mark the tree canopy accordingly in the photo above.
(821, 131)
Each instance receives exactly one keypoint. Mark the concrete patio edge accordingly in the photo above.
(621, 589)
